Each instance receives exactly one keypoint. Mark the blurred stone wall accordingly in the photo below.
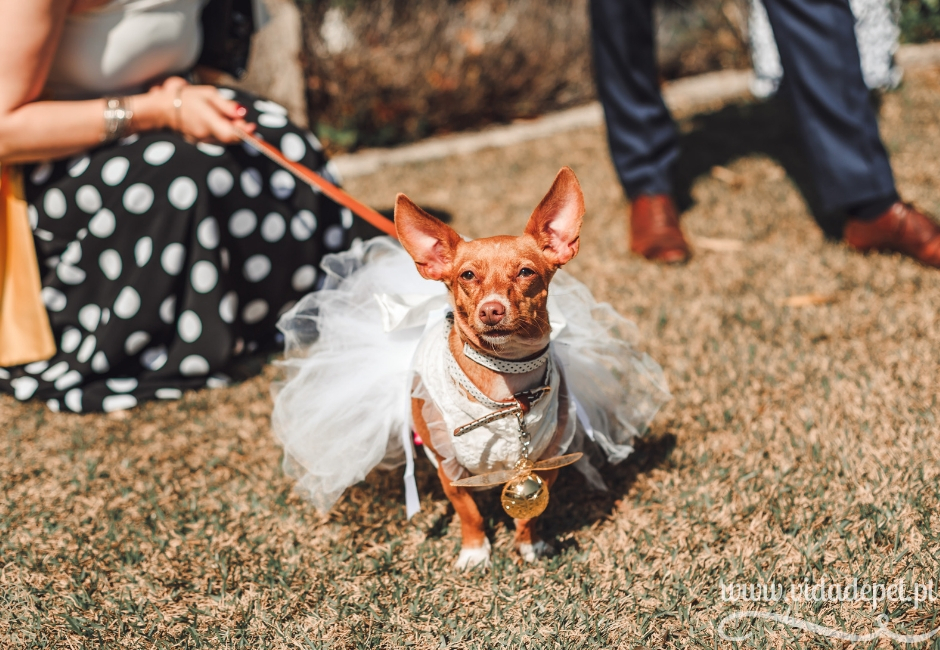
(382, 72)
(274, 66)
(386, 71)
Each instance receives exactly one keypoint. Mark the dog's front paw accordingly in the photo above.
(532, 552)
(473, 557)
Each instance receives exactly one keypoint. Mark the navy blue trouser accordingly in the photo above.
(816, 39)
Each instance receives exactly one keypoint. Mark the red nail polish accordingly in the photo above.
(241, 111)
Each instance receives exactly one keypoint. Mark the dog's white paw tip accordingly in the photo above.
(474, 557)
(532, 552)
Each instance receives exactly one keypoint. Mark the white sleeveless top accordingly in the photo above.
(120, 46)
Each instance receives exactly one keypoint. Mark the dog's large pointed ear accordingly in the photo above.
(556, 222)
(430, 242)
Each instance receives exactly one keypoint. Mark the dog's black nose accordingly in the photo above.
(491, 313)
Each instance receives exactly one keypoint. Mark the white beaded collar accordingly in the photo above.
(504, 365)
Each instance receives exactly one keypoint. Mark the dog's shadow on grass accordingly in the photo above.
(573, 506)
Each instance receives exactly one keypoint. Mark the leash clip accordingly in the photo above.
(524, 403)
(513, 409)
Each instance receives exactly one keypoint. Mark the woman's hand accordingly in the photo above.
(201, 113)
(32, 129)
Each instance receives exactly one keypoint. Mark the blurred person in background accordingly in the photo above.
(164, 249)
(823, 79)
(876, 31)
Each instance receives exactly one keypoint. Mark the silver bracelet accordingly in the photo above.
(117, 118)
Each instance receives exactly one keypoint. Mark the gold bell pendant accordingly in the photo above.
(525, 496)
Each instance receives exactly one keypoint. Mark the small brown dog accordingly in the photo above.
(499, 290)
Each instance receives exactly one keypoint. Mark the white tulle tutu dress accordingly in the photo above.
(361, 346)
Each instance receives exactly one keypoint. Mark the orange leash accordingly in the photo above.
(310, 177)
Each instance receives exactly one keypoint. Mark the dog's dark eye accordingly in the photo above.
(467, 275)
(526, 273)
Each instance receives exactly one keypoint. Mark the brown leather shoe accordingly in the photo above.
(654, 230)
(901, 228)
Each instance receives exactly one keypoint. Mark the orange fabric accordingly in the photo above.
(25, 333)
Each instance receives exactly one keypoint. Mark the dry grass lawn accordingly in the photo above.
(802, 444)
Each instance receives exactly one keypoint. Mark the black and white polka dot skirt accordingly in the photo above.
(162, 261)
